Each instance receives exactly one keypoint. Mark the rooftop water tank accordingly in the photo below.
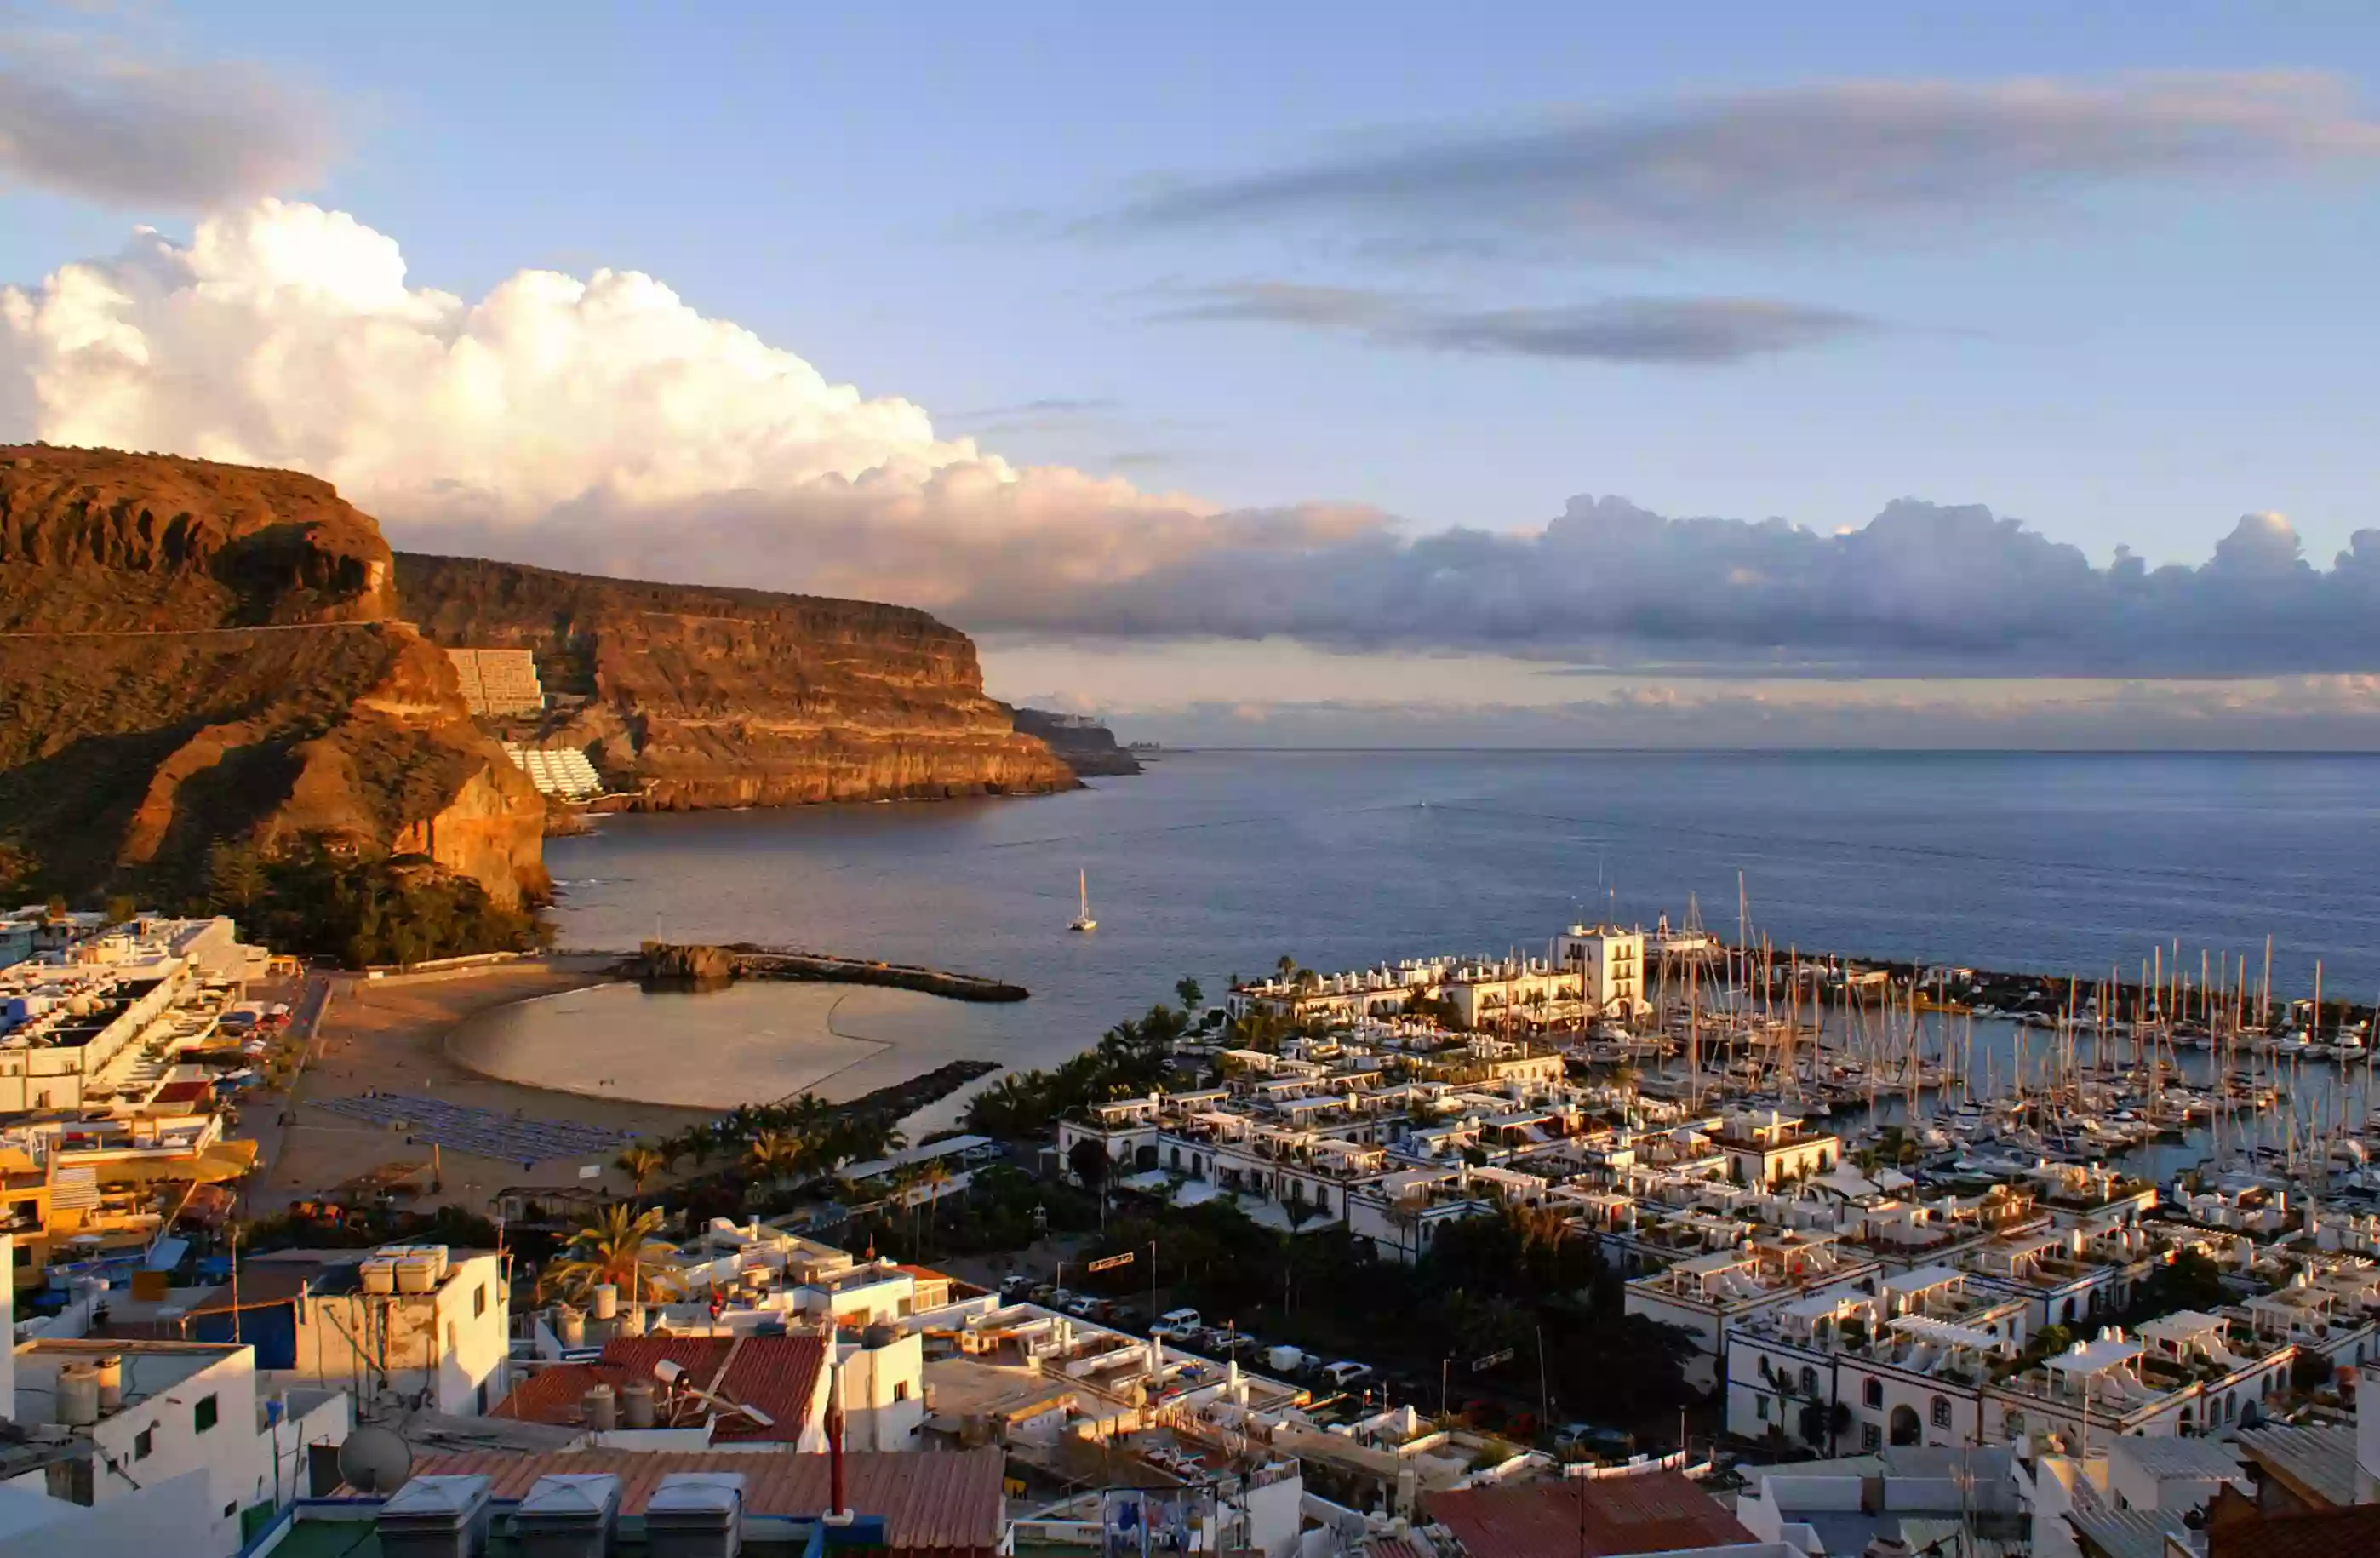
(78, 1396)
(637, 1403)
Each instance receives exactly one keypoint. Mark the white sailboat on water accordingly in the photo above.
(1083, 921)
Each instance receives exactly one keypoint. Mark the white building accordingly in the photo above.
(1844, 1371)
(1613, 961)
(1767, 1148)
(424, 1323)
(150, 1412)
(1710, 1296)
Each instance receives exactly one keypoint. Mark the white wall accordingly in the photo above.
(160, 1519)
(444, 1341)
(165, 1394)
(872, 1378)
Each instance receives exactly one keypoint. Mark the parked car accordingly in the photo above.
(1014, 1287)
(1345, 1375)
(1059, 1299)
(1042, 1292)
(1175, 1324)
(1587, 1439)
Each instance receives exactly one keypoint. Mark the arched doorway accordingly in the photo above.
(1902, 1427)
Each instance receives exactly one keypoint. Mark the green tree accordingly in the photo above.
(639, 1163)
(616, 1248)
(236, 877)
(1191, 996)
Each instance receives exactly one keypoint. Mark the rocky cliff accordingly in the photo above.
(192, 652)
(1087, 746)
(690, 697)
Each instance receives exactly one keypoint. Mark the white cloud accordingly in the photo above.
(598, 423)
(603, 424)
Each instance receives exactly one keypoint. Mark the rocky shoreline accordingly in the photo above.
(744, 960)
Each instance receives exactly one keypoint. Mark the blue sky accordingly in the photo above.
(923, 201)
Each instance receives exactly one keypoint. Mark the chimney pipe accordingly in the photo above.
(837, 1513)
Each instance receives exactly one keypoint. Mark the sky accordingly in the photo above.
(1343, 374)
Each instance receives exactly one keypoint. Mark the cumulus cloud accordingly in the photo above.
(1686, 331)
(79, 118)
(603, 424)
(597, 423)
(1922, 589)
(1788, 164)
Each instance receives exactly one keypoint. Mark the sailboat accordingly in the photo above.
(1083, 921)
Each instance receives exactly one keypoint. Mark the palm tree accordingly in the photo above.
(614, 1249)
(932, 1175)
(1187, 989)
(772, 1155)
(1287, 966)
(639, 1163)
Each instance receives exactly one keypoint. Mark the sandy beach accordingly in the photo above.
(389, 1036)
(754, 1041)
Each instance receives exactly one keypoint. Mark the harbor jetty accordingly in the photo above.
(745, 960)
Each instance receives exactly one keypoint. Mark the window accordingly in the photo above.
(204, 1415)
(480, 1301)
(900, 1390)
(1760, 1405)
(1809, 1382)
(1941, 1411)
(1870, 1437)
(144, 1444)
(1874, 1393)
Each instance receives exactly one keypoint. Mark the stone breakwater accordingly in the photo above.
(743, 960)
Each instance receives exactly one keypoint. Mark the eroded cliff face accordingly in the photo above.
(693, 696)
(192, 652)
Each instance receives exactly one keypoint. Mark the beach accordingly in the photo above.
(389, 1036)
(563, 1062)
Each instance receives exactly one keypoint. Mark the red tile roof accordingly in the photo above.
(1595, 1518)
(778, 1374)
(2350, 1532)
(934, 1504)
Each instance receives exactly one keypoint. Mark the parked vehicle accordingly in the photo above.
(1175, 1325)
(1014, 1287)
(1345, 1375)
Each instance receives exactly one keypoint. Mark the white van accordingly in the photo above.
(1346, 1376)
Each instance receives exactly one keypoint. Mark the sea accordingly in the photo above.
(1216, 864)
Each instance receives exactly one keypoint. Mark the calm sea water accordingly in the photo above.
(1216, 863)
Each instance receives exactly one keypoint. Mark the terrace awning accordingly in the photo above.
(209, 1166)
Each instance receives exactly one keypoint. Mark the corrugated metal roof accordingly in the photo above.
(932, 1502)
(2180, 1457)
(2320, 1460)
(777, 1374)
(2125, 1533)
(1595, 1518)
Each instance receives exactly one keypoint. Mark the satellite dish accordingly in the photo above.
(375, 1460)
